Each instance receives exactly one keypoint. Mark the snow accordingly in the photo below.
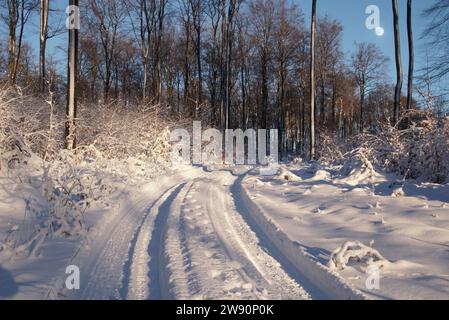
(309, 232)
(319, 215)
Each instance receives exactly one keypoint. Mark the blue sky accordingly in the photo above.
(350, 13)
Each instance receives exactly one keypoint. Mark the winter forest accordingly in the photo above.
(93, 204)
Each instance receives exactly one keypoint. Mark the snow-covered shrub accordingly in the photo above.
(114, 131)
(36, 122)
(355, 252)
(331, 150)
(115, 143)
(122, 132)
(419, 152)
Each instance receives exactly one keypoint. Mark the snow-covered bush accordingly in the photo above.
(35, 122)
(113, 131)
(419, 152)
(114, 142)
(121, 132)
(355, 252)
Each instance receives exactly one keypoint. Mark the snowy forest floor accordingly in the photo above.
(229, 233)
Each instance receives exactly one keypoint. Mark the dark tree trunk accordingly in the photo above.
(312, 83)
(399, 72)
(411, 55)
(73, 57)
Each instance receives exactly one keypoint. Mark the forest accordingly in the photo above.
(91, 92)
(231, 64)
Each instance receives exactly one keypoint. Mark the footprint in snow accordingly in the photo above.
(320, 210)
(362, 207)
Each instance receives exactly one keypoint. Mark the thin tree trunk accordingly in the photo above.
(44, 10)
(411, 55)
(19, 44)
(399, 72)
(73, 56)
(13, 11)
(228, 69)
(145, 76)
(362, 107)
(312, 83)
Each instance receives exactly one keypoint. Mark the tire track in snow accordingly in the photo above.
(198, 264)
(144, 273)
(210, 256)
(243, 245)
(269, 246)
(106, 261)
(102, 266)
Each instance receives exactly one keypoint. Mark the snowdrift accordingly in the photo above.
(324, 278)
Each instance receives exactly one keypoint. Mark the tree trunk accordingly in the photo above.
(362, 107)
(13, 11)
(399, 72)
(44, 9)
(411, 55)
(312, 83)
(145, 76)
(73, 56)
(15, 68)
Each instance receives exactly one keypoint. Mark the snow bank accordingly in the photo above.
(324, 278)
(321, 175)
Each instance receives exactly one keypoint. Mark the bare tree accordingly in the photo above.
(312, 82)
(411, 51)
(368, 66)
(103, 19)
(287, 36)
(158, 31)
(263, 22)
(214, 57)
(13, 19)
(233, 8)
(46, 32)
(437, 34)
(72, 76)
(43, 31)
(328, 57)
(142, 12)
(399, 71)
(19, 13)
(196, 7)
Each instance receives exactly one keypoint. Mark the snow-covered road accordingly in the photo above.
(221, 233)
(190, 237)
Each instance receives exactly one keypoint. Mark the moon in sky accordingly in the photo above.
(380, 31)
